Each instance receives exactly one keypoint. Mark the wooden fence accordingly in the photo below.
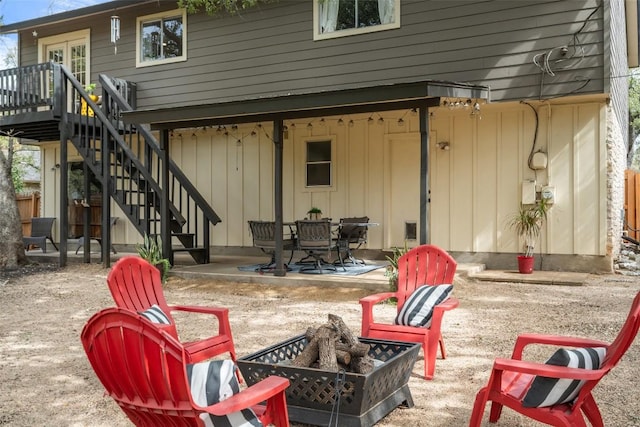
(29, 206)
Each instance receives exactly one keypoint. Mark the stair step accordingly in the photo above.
(198, 254)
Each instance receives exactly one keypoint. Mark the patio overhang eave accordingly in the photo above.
(304, 105)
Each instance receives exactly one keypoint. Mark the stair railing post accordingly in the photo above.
(108, 144)
(60, 90)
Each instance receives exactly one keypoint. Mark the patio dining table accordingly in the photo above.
(341, 244)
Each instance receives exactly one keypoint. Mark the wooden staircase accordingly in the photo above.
(128, 162)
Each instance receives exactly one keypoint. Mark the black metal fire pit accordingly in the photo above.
(363, 399)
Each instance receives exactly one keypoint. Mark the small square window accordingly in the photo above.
(161, 38)
(318, 164)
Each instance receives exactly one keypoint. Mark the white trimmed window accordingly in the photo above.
(339, 18)
(161, 38)
(318, 170)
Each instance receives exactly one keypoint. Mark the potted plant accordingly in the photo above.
(90, 88)
(314, 213)
(151, 250)
(85, 110)
(392, 269)
(528, 222)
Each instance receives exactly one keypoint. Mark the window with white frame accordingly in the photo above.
(318, 163)
(161, 38)
(338, 18)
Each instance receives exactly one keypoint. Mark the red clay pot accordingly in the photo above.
(525, 264)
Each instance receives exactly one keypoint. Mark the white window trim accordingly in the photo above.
(168, 14)
(64, 38)
(332, 177)
(354, 31)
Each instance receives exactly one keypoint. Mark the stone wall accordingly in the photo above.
(616, 164)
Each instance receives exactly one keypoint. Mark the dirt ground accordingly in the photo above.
(45, 378)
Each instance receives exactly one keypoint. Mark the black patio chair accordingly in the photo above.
(40, 231)
(264, 238)
(351, 235)
(316, 240)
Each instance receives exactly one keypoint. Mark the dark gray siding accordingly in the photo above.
(270, 51)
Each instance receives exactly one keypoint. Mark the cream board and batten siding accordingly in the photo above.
(476, 183)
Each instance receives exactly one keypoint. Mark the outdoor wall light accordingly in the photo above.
(443, 145)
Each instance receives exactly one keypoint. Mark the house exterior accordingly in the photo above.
(434, 119)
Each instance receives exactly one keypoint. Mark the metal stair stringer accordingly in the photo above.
(132, 182)
(193, 234)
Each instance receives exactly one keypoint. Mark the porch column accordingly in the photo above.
(425, 191)
(165, 216)
(278, 137)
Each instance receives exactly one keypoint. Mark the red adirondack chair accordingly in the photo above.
(144, 369)
(511, 378)
(421, 266)
(136, 285)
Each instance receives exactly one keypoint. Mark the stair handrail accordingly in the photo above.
(107, 84)
(111, 129)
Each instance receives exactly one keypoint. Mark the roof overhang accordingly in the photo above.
(57, 18)
(294, 106)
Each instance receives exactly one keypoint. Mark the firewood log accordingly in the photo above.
(362, 365)
(308, 355)
(343, 330)
(343, 357)
(327, 349)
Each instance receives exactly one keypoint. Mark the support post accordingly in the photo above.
(425, 191)
(278, 136)
(165, 218)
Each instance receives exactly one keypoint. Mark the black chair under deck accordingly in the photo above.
(112, 223)
(40, 231)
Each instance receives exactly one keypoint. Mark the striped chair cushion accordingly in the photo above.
(212, 382)
(156, 315)
(545, 391)
(418, 308)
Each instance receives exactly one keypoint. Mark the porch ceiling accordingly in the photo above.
(294, 106)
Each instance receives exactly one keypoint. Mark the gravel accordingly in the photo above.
(45, 378)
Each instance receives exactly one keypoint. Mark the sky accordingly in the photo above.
(21, 10)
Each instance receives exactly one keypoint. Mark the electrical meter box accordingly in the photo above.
(548, 193)
(528, 192)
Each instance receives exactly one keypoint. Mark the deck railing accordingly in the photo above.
(26, 89)
(125, 158)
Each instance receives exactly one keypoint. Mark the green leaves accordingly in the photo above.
(151, 250)
(528, 222)
(214, 7)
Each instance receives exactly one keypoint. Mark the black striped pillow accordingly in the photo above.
(418, 308)
(155, 315)
(546, 391)
(212, 382)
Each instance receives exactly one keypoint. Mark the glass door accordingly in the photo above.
(70, 50)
